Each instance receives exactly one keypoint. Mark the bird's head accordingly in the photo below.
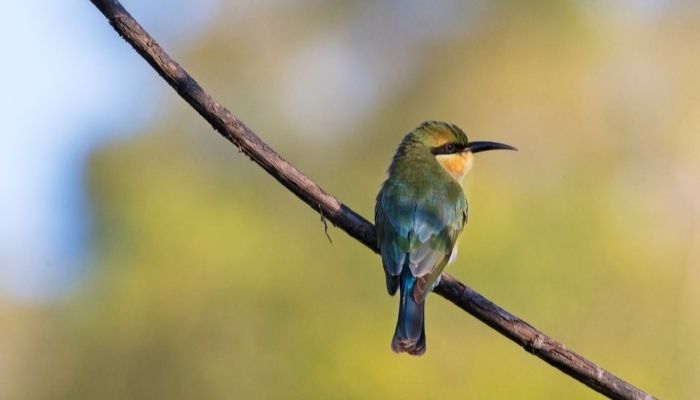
(451, 148)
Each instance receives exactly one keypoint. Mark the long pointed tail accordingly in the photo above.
(410, 328)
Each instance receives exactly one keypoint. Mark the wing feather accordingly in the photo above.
(418, 230)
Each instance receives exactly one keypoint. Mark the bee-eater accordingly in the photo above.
(421, 210)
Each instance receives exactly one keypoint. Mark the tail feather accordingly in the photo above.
(409, 336)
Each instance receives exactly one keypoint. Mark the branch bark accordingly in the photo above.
(230, 127)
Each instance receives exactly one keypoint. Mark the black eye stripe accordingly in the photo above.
(447, 148)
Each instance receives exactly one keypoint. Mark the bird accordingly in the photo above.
(420, 212)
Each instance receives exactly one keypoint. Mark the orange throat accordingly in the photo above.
(457, 165)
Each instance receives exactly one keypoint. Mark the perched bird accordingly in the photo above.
(420, 211)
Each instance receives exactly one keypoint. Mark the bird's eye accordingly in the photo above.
(450, 148)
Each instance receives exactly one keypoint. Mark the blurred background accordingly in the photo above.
(142, 256)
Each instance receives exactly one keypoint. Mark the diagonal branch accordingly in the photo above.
(517, 330)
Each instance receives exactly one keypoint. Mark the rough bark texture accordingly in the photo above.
(517, 330)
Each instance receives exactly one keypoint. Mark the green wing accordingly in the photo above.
(417, 227)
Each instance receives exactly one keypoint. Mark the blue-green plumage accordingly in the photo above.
(420, 211)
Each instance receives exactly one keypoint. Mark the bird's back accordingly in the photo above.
(420, 212)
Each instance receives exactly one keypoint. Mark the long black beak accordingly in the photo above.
(476, 147)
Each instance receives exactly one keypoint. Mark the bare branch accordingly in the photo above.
(517, 330)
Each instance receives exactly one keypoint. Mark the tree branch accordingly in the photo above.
(517, 330)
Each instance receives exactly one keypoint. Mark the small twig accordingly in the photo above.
(325, 224)
(519, 331)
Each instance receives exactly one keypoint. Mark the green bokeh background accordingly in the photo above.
(211, 281)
